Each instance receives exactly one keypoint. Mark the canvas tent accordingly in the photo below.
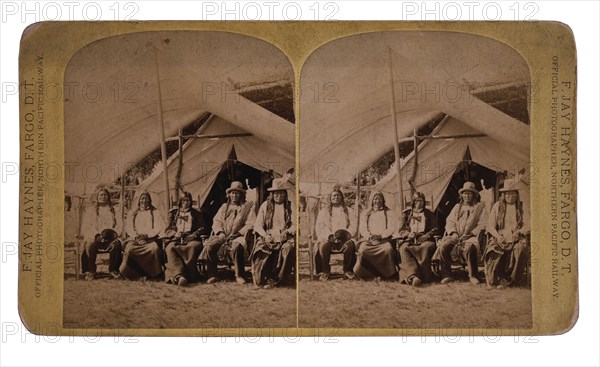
(439, 159)
(433, 73)
(203, 159)
(111, 111)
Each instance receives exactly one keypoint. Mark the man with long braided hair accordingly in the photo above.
(376, 255)
(335, 228)
(101, 229)
(274, 254)
(143, 256)
(232, 222)
(507, 249)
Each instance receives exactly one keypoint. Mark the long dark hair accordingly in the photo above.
(109, 203)
(187, 195)
(136, 211)
(344, 207)
(502, 211)
(287, 206)
(383, 207)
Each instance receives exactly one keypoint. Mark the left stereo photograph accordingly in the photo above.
(179, 195)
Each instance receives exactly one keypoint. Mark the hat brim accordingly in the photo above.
(471, 190)
(234, 189)
(284, 188)
(510, 189)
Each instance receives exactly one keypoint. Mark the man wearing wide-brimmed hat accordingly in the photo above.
(507, 249)
(230, 225)
(274, 253)
(464, 224)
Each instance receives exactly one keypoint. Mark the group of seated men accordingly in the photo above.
(414, 236)
(153, 248)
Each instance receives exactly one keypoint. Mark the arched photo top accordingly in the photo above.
(112, 105)
(346, 95)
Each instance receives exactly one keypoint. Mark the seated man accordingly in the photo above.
(231, 223)
(101, 227)
(335, 219)
(274, 254)
(507, 250)
(418, 227)
(142, 254)
(376, 255)
(463, 226)
(186, 226)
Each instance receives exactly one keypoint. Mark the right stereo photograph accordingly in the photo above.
(414, 211)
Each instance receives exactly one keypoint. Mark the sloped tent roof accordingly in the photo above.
(348, 125)
(111, 115)
(439, 158)
(203, 159)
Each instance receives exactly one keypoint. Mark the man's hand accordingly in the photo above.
(519, 233)
(221, 236)
(140, 239)
(466, 237)
(455, 236)
(268, 238)
(500, 239)
(234, 236)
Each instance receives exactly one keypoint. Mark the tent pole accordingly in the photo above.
(261, 189)
(416, 162)
(396, 144)
(310, 243)
(424, 137)
(78, 236)
(122, 203)
(210, 136)
(357, 203)
(163, 145)
(179, 161)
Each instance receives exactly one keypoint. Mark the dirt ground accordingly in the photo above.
(109, 303)
(338, 303)
(355, 304)
(342, 303)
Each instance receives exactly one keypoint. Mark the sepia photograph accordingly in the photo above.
(414, 183)
(180, 184)
(306, 179)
